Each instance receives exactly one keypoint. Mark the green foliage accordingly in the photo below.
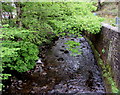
(107, 73)
(118, 92)
(20, 48)
(72, 46)
(7, 7)
(63, 18)
(71, 18)
(18, 53)
(106, 70)
(23, 59)
(103, 50)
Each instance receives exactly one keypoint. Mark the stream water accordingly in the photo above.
(61, 72)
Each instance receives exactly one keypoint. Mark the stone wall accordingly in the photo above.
(107, 43)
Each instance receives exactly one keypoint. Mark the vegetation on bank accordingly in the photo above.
(35, 24)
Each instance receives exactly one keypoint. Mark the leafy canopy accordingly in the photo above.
(39, 20)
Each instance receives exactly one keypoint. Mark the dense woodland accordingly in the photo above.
(30, 25)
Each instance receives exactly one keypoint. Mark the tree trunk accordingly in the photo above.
(99, 5)
(0, 13)
(19, 13)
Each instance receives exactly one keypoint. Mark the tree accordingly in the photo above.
(99, 5)
(19, 13)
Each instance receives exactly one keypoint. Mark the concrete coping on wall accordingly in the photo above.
(115, 29)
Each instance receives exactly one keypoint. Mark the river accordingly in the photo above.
(61, 73)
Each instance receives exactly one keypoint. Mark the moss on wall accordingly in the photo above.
(109, 83)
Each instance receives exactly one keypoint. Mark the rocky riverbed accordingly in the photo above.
(60, 72)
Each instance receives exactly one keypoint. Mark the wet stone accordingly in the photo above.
(72, 39)
(20, 81)
(19, 88)
(32, 92)
(34, 84)
(60, 59)
(82, 39)
(61, 50)
(66, 51)
(85, 62)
